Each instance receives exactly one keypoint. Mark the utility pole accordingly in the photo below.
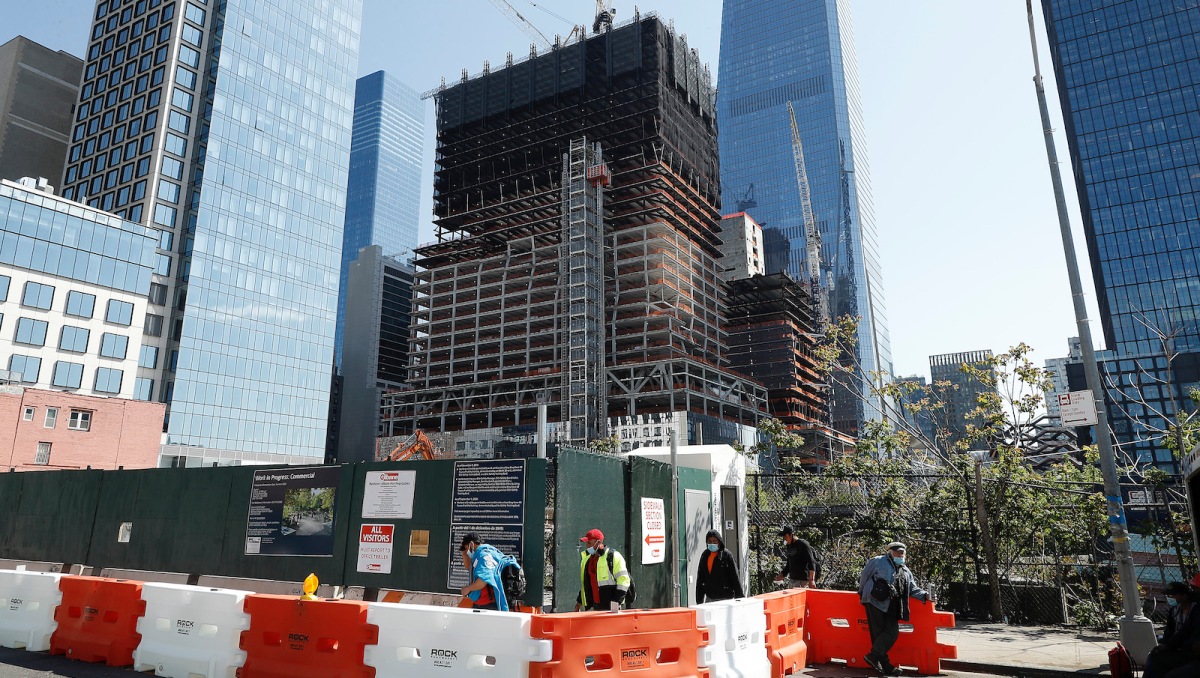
(1137, 632)
(676, 537)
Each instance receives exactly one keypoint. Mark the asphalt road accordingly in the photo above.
(21, 664)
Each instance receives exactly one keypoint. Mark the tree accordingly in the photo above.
(609, 445)
(989, 502)
(774, 438)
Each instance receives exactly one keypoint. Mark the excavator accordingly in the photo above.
(417, 443)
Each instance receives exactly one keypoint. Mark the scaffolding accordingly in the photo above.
(530, 263)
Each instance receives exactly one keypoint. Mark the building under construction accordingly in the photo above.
(773, 337)
(576, 200)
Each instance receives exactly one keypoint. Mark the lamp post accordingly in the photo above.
(1137, 632)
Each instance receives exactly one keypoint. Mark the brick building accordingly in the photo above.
(43, 429)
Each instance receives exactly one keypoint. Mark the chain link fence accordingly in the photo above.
(849, 519)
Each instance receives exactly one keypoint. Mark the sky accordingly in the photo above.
(969, 239)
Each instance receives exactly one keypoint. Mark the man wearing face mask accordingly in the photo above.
(885, 586)
(1176, 653)
(800, 561)
(604, 578)
(484, 562)
(717, 577)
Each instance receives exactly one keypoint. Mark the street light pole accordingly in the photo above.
(1137, 632)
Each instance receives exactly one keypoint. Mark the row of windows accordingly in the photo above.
(79, 304)
(32, 332)
(66, 374)
(79, 420)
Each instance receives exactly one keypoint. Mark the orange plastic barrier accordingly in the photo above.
(97, 620)
(650, 643)
(786, 647)
(318, 638)
(837, 629)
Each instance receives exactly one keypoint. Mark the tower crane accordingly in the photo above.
(604, 15)
(812, 236)
(521, 22)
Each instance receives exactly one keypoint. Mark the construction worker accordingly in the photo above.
(604, 578)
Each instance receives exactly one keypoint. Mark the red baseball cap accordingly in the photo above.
(593, 534)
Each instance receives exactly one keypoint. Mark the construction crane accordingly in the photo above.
(604, 15)
(812, 236)
(747, 200)
(417, 443)
(521, 22)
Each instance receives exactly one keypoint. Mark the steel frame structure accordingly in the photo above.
(494, 327)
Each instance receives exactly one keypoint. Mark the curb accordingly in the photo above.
(1018, 671)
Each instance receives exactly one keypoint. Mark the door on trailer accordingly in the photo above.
(697, 522)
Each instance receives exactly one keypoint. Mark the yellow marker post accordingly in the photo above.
(310, 587)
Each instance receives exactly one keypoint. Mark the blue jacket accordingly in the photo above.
(486, 564)
(899, 577)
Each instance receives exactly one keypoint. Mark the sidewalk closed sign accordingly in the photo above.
(1077, 408)
(375, 548)
(654, 531)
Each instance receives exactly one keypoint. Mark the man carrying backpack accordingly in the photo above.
(484, 562)
(603, 575)
(885, 586)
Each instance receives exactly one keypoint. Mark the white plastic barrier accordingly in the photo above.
(737, 646)
(191, 630)
(421, 640)
(27, 610)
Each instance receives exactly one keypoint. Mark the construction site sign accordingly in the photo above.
(375, 544)
(291, 511)
(389, 494)
(488, 498)
(654, 531)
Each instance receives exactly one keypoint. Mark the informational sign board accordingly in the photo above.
(389, 494)
(488, 498)
(375, 544)
(654, 531)
(1077, 408)
(291, 511)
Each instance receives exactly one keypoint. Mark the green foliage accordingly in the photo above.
(609, 445)
(774, 437)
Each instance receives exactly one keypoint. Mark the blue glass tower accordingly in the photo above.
(225, 126)
(803, 52)
(1128, 77)
(383, 193)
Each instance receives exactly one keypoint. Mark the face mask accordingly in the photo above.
(471, 554)
(899, 560)
(713, 547)
(1172, 602)
(591, 550)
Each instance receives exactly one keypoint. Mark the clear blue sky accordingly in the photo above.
(971, 252)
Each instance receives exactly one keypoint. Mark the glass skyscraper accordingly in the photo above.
(1128, 77)
(225, 125)
(383, 194)
(803, 52)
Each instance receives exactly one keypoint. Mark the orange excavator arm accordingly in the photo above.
(417, 443)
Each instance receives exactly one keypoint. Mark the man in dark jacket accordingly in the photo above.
(800, 561)
(1176, 653)
(717, 577)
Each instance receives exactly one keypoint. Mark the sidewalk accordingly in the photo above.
(1029, 651)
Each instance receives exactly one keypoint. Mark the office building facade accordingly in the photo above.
(1128, 74)
(803, 52)
(73, 285)
(379, 308)
(383, 191)
(226, 127)
(580, 268)
(38, 87)
(957, 391)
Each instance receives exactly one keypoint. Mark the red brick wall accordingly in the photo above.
(123, 432)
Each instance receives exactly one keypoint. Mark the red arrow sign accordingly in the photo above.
(655, 539)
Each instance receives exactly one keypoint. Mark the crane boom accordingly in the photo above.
(521, 22)
(812, 236)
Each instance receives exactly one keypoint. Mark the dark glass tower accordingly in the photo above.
(803, 52)
(1128, 77)
(383, 191)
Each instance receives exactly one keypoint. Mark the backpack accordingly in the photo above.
(631, 594)
(512, 578)
(1120, 665)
